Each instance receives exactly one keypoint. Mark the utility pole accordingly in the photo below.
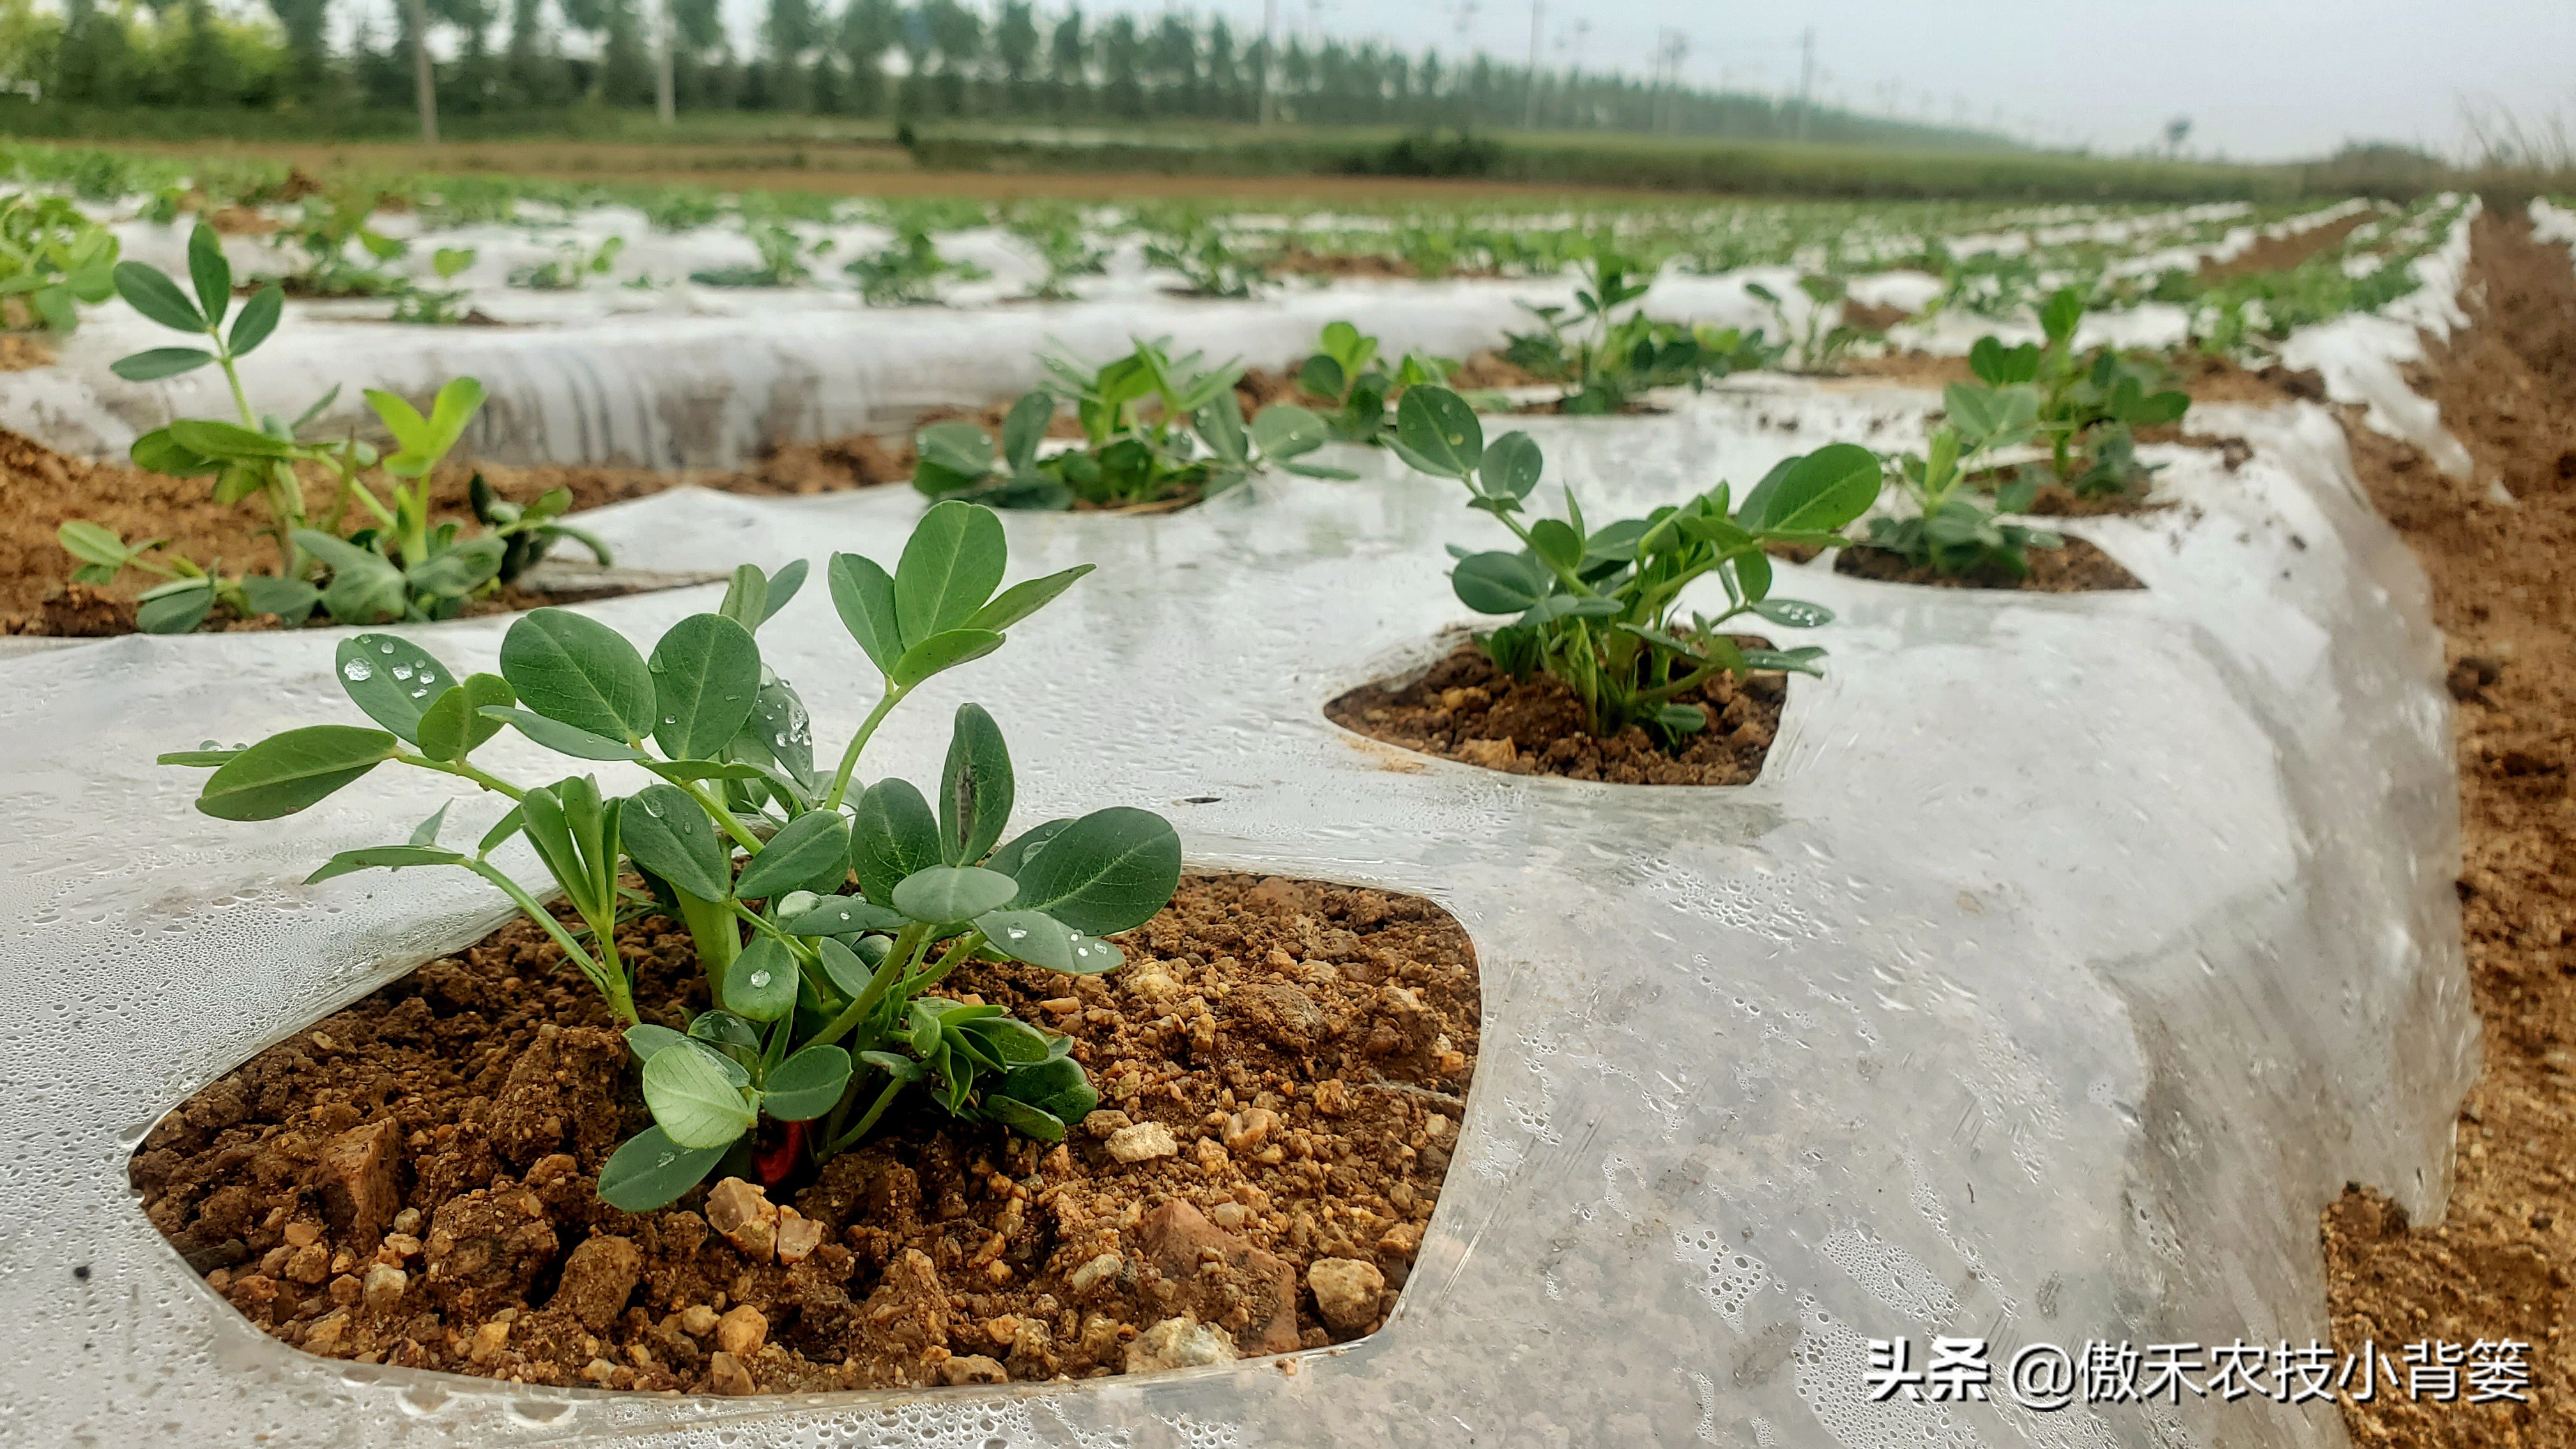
(666, 90)
(1529, 110)
(424, 77)
(1806, 79)
(1268, 109)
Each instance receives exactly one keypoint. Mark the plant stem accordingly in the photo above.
(463, 771)
(850, 757)
(908, 946)
(725, 822)
(885, 1099)
(620, 1000)
(955, 956)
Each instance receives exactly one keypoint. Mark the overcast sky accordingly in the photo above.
(2259, 78)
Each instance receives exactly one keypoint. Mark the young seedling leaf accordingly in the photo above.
(807, 1084)
(156, 363)
(941, 652)
(1022, 599)
(782, 587)
(863, 595)
(975, 788)
(150, 291)
(666, 833)
(645, 1038)
(1011, 856)
(578, 671)
(848, 970)
(287, 772)
(650, 1171)
(392, 679)
(693, 1099)
(706, 677)
(1107, 872)
(892, 834)
(259, 317)
(455, 724)
(761, 983)
(950, 567)
(175, 607)
(1511, 466)
(813, 846)
(947, 893)
(1825, 490)
(1499, 583)
(562, 738)
(1034, 937)
(1437, 432)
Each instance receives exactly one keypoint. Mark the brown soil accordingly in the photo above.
(1297, 261)
(2504, 595)
(2076, 568)
(2207, 379)
(1868, 317)
(2279, 254)
(20, 351)
(1464, 709)
(411, 1180)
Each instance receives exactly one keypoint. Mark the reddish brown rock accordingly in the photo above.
(355, 1178)
(486, 1248)
(1220, 1279)
(598, 1277)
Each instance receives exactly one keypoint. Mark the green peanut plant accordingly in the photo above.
(1600, 609)
(51, 257)
(1347, 370)
(1951, 530)
(1818, 347)
(2089, 403)
(1155, 429)
(822, 1013)
(397, 563)
(1603, 358)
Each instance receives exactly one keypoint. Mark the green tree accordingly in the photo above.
(1015, 46)
(790, 33)
(958, 35)
(867, 32)
(1120, 64)
(1069, 64)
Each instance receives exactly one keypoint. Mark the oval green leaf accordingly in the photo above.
(706, 678)
(946, 893)
(1106, 872)
(892, 834)
(761, 983)
(287, 772)
(943, 651)
(392, 679)
(580, 672)
(455, 724)
(813, 847)
(666, 833)
(950, 566)
(975, 788)
(650, 1171)
(863, 595)
(807, 1084)
(694, 1100)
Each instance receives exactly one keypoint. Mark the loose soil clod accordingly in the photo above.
(2504, 594)
(1464, 709)
(411, 1181)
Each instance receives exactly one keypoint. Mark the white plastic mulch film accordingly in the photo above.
(688, 376)
(2068, 956)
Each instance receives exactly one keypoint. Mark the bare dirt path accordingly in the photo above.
(2504, 593)
(2280, 253)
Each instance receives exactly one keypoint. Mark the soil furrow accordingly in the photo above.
(2504, 594)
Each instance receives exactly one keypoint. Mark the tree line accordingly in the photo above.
(920, 62)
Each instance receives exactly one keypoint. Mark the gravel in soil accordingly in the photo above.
(2076, 567)
(1464, 709)
(1283, 1066)
(2504, 595)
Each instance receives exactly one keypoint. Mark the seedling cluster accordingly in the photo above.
(823, 912)
(1605, 350)
(374, 554)
(1155, 429)
(1599, 609)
